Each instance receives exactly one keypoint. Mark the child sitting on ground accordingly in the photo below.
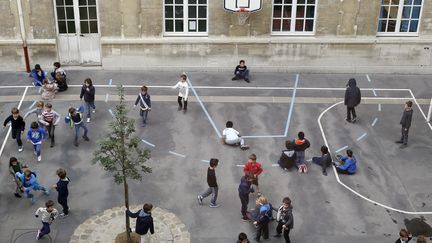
(230, 136)
(346, 164)
(288, 156)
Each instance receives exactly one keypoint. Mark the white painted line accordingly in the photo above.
(347, 187)
(40, 90)
(264, 136)
(384, 98)
(368, 78)
(34, 102)
(429, 112)
(275, 165)
(148, 143)
(111, 112)
(291, 105)
(13, 87)
(177, 154)
(374, 92)
(362, 136)
(240, 165)
(204, 109)
(10, 127)
(379, 107)
(110, 82)
(106, 98)
(374, 121)
(340, 149)
(420, 109)
(205, 161)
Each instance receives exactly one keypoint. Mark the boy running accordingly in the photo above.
(212, 183)
(50, 119)
(74, 118)
(63, 192)
(28, 182)
(35, 135)
(47, 215)
(255, 169)
(18, 126)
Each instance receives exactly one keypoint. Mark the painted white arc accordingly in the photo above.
(347, 187)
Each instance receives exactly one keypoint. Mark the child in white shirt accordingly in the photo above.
(183, 89)
(231, 136)
(47, 215)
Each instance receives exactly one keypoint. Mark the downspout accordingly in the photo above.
(23, 35)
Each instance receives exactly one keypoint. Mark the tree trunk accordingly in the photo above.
(126, 194)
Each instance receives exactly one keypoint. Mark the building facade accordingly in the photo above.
(302, 35)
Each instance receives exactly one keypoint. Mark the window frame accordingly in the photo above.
(293, 32)
(185, 31)
(77, 20)
(399, 18)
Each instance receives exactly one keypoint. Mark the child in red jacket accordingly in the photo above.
(255, 169)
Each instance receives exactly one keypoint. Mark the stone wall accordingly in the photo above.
(132, 36)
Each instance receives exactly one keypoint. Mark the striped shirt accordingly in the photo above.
(48, 116)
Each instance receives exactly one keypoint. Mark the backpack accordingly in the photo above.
(269, 212)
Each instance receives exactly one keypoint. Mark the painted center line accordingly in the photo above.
(111, 112)
(340, 149)
(374, 92)
(177, 154)
(374, 121)
(148, 143)
(291, 105)
(368, 78)
(379, 107)
(106, 98)
(362, 136)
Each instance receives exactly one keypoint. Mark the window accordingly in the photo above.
(185, 17)
(399, 17)
(88, 16)
(294, 16)
(65, 16)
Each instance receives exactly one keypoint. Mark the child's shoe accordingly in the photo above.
(86, 138)
(214, 205)
(39, 158)
(20, 149)
(200, 200)
(88, 119)
(94, 110)
(38, 235)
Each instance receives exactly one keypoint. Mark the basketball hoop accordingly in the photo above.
(242, 16)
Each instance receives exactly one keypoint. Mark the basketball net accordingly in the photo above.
(242, 16)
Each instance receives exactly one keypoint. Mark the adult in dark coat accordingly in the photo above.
(406, 123)
(352, 99)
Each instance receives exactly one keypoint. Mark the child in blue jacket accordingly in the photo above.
(348, 163)
(28, 182)
(35, 136)
(38, 75)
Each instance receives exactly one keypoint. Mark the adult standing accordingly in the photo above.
(406, 124)
(183, 89)
(352, 99)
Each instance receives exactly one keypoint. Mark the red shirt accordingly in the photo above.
(254, 169)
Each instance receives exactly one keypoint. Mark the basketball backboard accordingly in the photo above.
(237, 5)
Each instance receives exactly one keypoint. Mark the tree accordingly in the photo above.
(119, 153)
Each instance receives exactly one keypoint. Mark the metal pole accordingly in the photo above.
(23, 35)
(429, 112)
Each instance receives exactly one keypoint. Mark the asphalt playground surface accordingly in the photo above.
(391, 189)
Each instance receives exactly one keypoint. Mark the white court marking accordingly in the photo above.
(362, 136)
(10, 127)
(421, 110)
(177, 154)
(148, 143)
(374, 121)
(349, 188)
(31, 106)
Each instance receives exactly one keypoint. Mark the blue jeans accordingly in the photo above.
(27, 194)
(45, 229)
(211, 190)
(37, 149)
(144, 114)
(300, 158)
(243, 75)
(89, 106)
(77, 128)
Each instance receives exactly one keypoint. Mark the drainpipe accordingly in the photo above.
(23, 35)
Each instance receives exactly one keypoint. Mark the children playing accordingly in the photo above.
(255, 169)
(62, 188)
(145, 104)
(50, 119)
(88, 92)
(74, 119)
(232, 137)
(37, 111)
(15, 167)
(28, 182)
(288, 156)
(47, 216)
(324, 161)
(35, 135)
(241, 72)
(183, 89)
(285, 219)
(212, 183)
(144, 222)
(301, 144)
(346, 164)
(18, 126)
